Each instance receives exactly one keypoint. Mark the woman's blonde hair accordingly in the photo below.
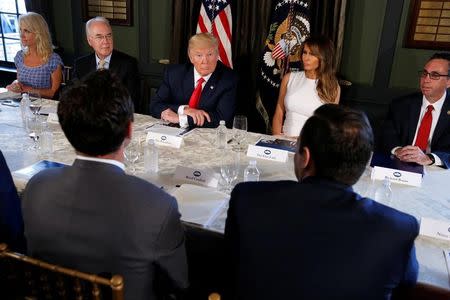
(36, 24)
(327, 84)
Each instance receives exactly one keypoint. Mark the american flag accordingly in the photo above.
(215, 17)
(280, 50)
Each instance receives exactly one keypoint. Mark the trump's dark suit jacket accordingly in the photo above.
(316, 240)
(401, 123)
(11, 223)
(121, 64)
(218, 96)
(93, 217)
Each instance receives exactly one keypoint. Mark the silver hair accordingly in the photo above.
(93, 20)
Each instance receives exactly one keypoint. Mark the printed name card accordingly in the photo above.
(435, 229)
(195, 176)
(267, 153)
(397, 176)
(165, 139)
(52, 118)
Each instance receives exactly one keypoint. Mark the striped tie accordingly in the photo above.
(101, 64)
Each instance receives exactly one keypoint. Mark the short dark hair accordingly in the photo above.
(94, 113)
(442, 55)
(340, 141)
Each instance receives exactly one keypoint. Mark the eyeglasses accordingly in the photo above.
(433, 75)
(98, 38)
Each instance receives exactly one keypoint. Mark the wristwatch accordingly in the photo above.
(431, 157)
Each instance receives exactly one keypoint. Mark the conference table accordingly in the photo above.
(199, 151)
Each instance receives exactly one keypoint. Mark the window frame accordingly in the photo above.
(5, 63)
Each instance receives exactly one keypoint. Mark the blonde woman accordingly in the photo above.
(39, 69)
(303, 92)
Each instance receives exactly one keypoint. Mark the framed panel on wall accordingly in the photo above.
(429, 24)
(118, 12)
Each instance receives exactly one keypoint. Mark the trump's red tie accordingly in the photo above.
(195, 97)
(424, 129)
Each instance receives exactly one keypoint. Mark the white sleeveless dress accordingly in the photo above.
(300, 102)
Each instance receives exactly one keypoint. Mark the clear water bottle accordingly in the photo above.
(251, 173)
(221, 132)
(151, 157)
(24, 106)
(383, 193)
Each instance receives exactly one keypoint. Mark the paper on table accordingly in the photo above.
(199, 205)
(435, 228)
(5, 94)
(32, 170)
(167, 130)
(46, 110)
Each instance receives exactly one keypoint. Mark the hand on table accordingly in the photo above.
(170, 116)
(15, 87)
(198, 115)
(412, 154)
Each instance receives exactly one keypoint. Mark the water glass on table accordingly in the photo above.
(132, 152)
(229, 169)
(239, 132)
(36, 102)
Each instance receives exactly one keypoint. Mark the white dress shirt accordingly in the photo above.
(102, 160)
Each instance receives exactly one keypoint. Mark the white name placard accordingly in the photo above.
(196, 176)
(165, 139)
(52, 118)
(397, 176)
(267, 153)
(435, 229)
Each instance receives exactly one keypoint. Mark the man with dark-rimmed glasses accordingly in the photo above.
(417, 128)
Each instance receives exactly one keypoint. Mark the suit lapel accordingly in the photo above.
(210, 87)
(414, 114)
(188, 84)
(443, 120)
(113, 65)
(92, 64)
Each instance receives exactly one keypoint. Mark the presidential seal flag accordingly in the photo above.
(289, 27)
(215, 17)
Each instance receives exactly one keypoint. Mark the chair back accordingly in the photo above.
(67, 70)
(23, 277)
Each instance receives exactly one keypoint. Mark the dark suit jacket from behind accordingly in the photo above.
(93, 217)
(401, 123)
(218, 96)
(122, 65)
(11, 223)
(316, 240)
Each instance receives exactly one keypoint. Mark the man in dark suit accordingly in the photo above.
(417, 128)
(198, 94)
(100, 38)
(92, 216)
(11, 223)
(318, 239)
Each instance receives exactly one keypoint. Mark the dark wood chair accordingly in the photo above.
(23, 277)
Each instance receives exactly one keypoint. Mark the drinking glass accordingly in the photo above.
(132, 154)
(33, 127)
(239, 131)
(229, 169)
(35, 102)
